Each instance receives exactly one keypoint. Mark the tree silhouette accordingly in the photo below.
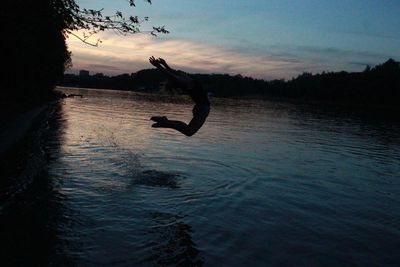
(34, 41)
(94, 21)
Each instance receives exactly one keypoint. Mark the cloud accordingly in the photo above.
(125, 54)
(329, 58)
(333, 52)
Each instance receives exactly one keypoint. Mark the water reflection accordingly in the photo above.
(156, 178)
(139, 175)
(262, 183)
(171, 242)
(111, 191)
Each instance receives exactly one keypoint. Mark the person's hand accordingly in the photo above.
(154, 61)
(162, 61)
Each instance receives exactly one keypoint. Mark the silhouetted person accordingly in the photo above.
(179, 79)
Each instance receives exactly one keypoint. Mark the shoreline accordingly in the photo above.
(21, 154)
(16, 128)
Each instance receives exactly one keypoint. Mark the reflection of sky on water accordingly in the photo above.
(319, 182)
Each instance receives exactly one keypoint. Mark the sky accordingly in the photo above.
(264, 39)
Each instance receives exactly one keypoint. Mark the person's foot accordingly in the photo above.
(158, 125)
(159, 119)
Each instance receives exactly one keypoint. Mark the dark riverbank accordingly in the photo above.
(29, 208)
(19, 114)
(19, 126)
(20, 143)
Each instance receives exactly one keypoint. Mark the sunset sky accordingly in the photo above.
(265, 39)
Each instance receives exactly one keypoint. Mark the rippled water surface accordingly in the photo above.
(261, 184)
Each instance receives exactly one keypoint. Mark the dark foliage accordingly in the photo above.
(94, 21)
(35, 51)
(145, 80)
(379, 85)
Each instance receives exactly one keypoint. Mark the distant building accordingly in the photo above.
(83, 73)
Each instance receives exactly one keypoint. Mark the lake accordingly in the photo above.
(261, 184)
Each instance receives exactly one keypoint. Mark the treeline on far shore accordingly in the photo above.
(378, 85)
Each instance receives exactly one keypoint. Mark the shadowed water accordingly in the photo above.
(261, 184)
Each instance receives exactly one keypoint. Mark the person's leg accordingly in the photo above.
(163, 122)
(187, 129)
(200, 114)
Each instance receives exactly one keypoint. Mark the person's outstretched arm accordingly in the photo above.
(164, 63)
(184, 82)
(168, 72)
